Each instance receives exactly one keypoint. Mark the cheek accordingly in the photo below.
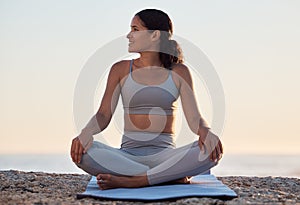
(143, 41)
(141, 37)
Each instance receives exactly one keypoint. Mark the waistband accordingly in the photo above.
(143, 141)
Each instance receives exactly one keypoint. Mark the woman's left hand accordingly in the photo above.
(211, 143)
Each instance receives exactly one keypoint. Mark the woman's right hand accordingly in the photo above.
(76, 150)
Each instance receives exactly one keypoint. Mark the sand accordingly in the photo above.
(17, 187)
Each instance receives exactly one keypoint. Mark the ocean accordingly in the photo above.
(230, 165)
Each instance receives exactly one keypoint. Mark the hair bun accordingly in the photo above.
(174, 48)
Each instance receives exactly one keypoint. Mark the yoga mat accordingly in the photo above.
(201, 186)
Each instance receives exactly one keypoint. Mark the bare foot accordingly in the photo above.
(108, 181)
(184, 180)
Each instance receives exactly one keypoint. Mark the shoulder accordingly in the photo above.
(182, 72)
(120, 68)
(180, 68)
(120, 65)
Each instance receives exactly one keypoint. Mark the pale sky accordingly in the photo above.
(253, 45)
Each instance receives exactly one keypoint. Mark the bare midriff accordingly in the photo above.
(149, 123)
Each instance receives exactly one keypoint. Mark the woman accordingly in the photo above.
(150, 87)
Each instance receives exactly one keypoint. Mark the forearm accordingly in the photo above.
(198, 125)
(96, 124)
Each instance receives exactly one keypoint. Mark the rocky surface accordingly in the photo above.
(39, 188)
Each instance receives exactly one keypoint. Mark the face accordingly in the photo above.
(140, 39)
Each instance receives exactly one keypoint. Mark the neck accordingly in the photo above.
(148, 59)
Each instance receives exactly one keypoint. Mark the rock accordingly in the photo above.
(50, 188)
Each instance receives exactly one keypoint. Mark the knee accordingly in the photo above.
(88, 162)
(212, 163)
(96, 159)
(205, 159)
(82, 162)
(88, 165)
(92, 152)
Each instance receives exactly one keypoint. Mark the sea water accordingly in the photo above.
(230, 165)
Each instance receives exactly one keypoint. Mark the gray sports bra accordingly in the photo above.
(149, 99)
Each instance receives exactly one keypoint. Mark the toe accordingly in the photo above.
(99, 176)
(105, 176)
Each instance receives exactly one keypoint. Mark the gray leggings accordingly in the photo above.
(166, 164)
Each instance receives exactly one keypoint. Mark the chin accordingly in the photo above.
(130, 50)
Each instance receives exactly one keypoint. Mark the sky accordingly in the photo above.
(253, 45)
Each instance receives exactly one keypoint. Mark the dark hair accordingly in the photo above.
(170, 51)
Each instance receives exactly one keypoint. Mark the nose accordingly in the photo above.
(129, 35)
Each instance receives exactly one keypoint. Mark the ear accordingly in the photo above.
(155, 35)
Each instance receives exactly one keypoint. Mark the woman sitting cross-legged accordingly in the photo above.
(149, 87)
